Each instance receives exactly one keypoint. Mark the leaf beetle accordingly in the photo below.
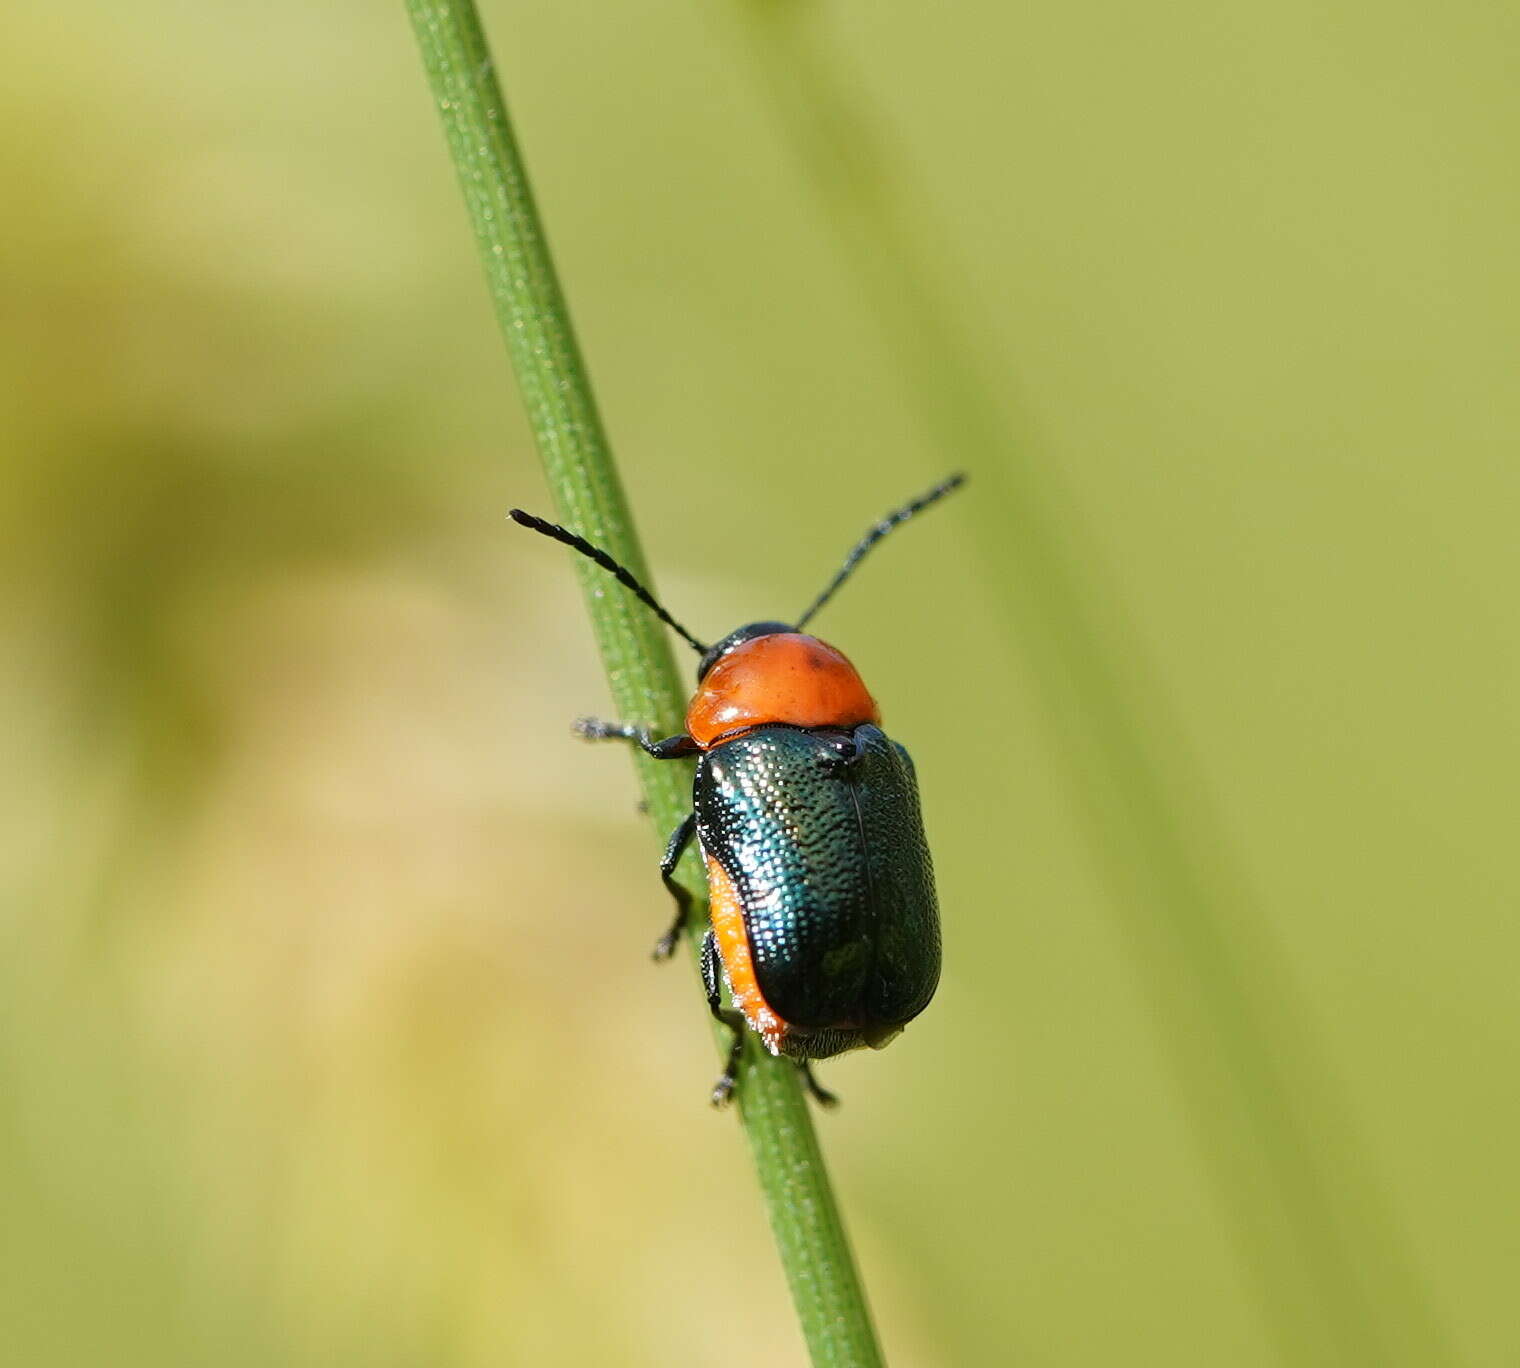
(823, 921)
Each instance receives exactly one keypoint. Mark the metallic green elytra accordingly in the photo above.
(820, 835)
(823, 922)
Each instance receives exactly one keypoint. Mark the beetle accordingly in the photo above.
(822, 914)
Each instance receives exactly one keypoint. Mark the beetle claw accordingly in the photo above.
(665, 947)
(821, 1095)
(723, 1089)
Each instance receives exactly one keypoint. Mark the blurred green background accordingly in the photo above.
(327, 1034)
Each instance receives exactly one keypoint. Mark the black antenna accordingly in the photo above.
(595, 553)
(870, 539)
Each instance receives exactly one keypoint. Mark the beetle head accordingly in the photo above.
(737, 638)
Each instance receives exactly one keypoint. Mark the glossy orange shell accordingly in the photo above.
(785, 677)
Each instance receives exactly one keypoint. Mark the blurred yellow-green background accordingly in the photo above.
(327, 1033)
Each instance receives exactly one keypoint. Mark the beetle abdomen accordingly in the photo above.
(820, 838)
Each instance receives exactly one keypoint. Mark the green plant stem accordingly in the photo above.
(589, 498)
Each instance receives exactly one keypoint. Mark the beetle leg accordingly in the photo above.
(821, 1095)
(710, 964)
(723, 1089)
(671, 748)
(680, 838)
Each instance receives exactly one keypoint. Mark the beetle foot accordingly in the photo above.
(665, 947)
(594, 729)
(723, 1089)
(821, 1095)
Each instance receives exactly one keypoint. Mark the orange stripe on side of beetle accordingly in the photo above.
(733, 947)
